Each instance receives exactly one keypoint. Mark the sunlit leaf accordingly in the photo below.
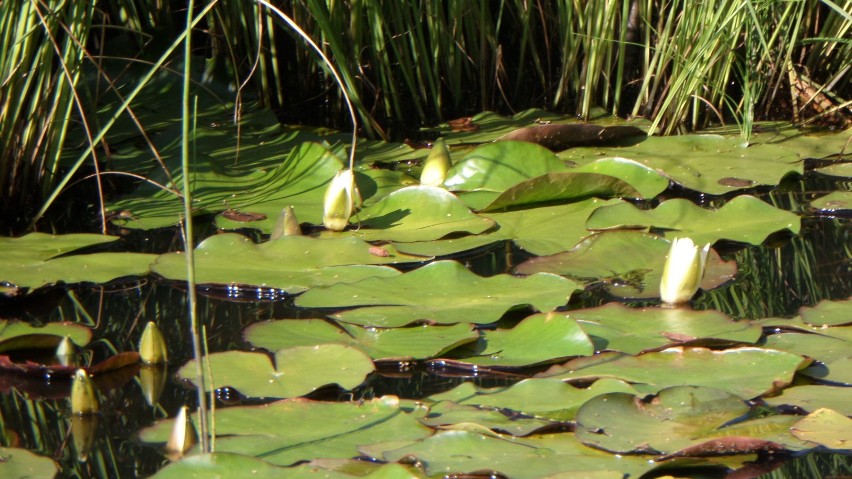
(499, 166)
(19, 463)
(813, 397)
(825, 427)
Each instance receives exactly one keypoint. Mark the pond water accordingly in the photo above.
(774, 280)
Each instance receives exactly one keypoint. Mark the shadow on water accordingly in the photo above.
(774, 280)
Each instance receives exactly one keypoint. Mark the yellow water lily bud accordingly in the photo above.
(287, 224)
(152, 378)
(339, 201)
(84, 399)
(152, 346)
(66, 352)
(683, 271)
(183, 435)
(436, 166)
(84, 429)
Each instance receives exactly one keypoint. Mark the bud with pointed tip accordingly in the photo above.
(287, 224)
(84, 399)
(152, 346)
(66, 352)
(152, 379)
(84, 430)
(436, 166)
(339, 201)
(683, 271)
(183, 434)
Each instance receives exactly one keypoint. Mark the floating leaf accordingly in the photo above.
(560, 137)
(297, 371)
(647, 181)
(836, 201)
(630, 263)
(20, 463)
(681, 420)
(825, 427)
(562, 187)
(745, 372)
(550, 398)
(707, 163)
(830, 346)
(448, 413)
(221, 464)
(499, 166)
(616, 327)
(828, 313)
(813, 397)
(540, 338)
(442, 292)
(290, 263)
(82, 268)
(744, 218)
(289, 431)
(418, 213)
(418, 342)
(21, 335)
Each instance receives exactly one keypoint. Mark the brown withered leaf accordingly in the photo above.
(561, 137)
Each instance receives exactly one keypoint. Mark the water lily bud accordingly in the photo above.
(152, 379)
(83, 431)
(339, 201)
(183, 434)
(66, 352)
(683, 271)
(287, 224)
(436, 166)
(152, 346)
(84, 400)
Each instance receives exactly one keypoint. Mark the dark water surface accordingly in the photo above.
(773, 280)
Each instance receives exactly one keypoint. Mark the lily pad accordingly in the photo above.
(836, 201)
(813, 397)
(616, 327)
(497, 419)
(41, 246)
(830, 346)
(708, 163)
(744, 218)
(828, 313)
(222, 464)
(81, 268)
(290, 431)
(746, 372)
(418, 213)
(499, 166)
(647, 181)
(540, 338)
(459, 451)
(418, 342)
(560, 137)
(290, 263)
(441, 292)
(18, 463)
(21, 335)
(629, 263)
(825, 427)
(841, 169)
(297, 371)
(549, 398)
(562, 187)
(680, 419)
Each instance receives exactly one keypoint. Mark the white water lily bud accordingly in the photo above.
(339, 201)
(683, 271)
(436, 166)
(84, 399)
(66, 352)
(152, 346)
(183, 435)
(287, 224)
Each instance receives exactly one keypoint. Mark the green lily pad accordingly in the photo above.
(417, 213)
(629, 263)
(647, 181)
(41, 246)
(708, 163)
(501, 165)
(746, 372)
(540, 338)
(841, 169)
(677, 420)
(289, 431)
(616, 327)
(81, 268)
(828, 313)
(830, 346)
(497, 419)
(297, 371)
(744, 218)
(549, 398)
(20, 463)
(16, 335)
(813, 397)
(264, 180)
(825, 427)
(221, 464)
(418, 342)
(290, 263)
(459, 451)
(563, 187)
(441, 292)
(834, 201)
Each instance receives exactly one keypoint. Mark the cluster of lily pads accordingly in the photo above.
(609, 391)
